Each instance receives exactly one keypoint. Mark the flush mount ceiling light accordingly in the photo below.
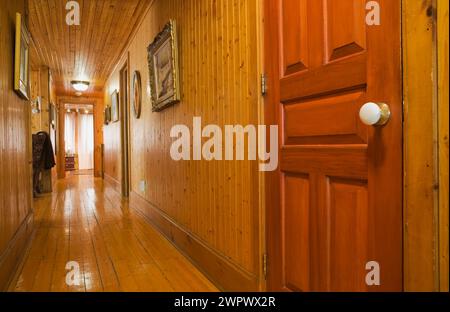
(80, 86)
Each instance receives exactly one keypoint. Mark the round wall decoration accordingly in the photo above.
(136, 94)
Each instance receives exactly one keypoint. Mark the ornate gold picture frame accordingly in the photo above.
(136, 94)
(21, 59)
(115, 113)
(107, 115)
(164, 68)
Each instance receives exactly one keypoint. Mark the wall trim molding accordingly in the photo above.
(221, 271)
(12, 257)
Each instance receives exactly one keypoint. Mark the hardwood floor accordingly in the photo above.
(86, 221)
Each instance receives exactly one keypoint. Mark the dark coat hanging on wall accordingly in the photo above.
(43, 156)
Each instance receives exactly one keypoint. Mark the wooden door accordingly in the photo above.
(335, 203)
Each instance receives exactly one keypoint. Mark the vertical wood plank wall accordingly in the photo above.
(211, 210)
(420, 179)
(425, 54)
(98, 137)
(442, 32)
(15, 152)
(111, 135)
(35, 90)
(40, 86)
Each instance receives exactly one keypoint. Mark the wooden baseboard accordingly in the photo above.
(114, 183)
(221, 271)
(11, 257)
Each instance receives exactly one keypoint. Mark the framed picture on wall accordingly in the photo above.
(136, 94)
(164, 68)
(115, 106)
(21, 59)
(107, 115)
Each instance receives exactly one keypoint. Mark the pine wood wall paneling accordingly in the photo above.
(426, 144)
(421, 243)
(60, 142)
(98, 138)
(15, 152)
(215, 203)
(54, 131)
(442, 32)
(35, 90)
(41, 86)
(111, 135)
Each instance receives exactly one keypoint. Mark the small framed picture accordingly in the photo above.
(21, 59)
(136, 94)
(107, 115)
(115, 106)
(164, 68)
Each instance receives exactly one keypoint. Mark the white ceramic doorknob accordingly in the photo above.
(375, 114)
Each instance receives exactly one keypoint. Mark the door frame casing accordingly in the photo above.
(425, 136)
(125, 125)
(98, 139)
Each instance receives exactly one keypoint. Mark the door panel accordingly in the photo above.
(296, 239)
(347, 74)
(295, 37)
(347, 210)
(335, 203)
(314, 121)
(346, 28)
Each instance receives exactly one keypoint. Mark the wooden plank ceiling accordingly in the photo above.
(86, 52)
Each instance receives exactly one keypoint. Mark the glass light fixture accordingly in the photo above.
(80, 86)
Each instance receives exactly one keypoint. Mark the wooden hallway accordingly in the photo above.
(86, 221)
(223, 146)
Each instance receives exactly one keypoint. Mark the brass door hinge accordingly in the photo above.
(263, 84)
